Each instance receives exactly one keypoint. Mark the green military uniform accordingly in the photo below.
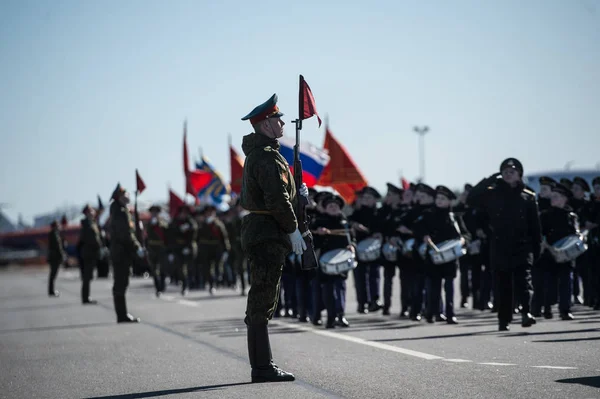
(56, 256)
(268, 191)
(183, 234)
(237, 258)
(91, 244)
(156, 244)
(123, 247)
(213, 241)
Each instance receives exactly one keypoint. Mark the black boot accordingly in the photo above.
(527, 320)
(261, 359)
(121, 310)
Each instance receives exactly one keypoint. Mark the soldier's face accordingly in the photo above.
(597, 191)
(408, 196)
(124, 199)
(332, 209)
(545, 191)
(578, 191)
(511, 176)
(273, 128)
(441, 201)
(558, 200)
(368, 200)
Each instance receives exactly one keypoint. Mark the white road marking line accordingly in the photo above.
(498, 364)
(167, 297)
(457, 360)
(187, 303)
(555, 367)
(361, 341)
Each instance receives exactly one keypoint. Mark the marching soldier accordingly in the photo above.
(237, 258)
(124, 246)
(580, 206)
(515, 243)
(391, 219)
(546, 184)
(157, 248)
(91, 245)
(269, 232)
(183, 232)
(56, 256)
(213, 243)
(557, 222)
(436, 225)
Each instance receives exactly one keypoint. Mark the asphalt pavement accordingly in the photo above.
(195, 346)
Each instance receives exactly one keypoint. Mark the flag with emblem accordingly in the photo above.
(216, 190)
(313, 159)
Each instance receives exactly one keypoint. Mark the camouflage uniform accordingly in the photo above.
(123, 248)
(90, 253)
(183, 233)
(56, 256)
(212, 242)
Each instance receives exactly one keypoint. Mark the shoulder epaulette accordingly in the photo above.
(527, 191)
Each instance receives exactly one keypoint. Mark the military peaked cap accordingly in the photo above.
(468, 187)
(394, 189)
(446, 192)
(581, 182)
(370, 190)
(266, 110)
(118, 191)
(547, 181)
(334, 199)
(566, 182)
(321, 196)
(512, 163)
(424, 188)
(562, 189)
(155, 208)
(596, 181)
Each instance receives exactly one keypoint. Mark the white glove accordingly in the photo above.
(184, 227)
(171, 258)
(141, 252)
(303, 191)
(298, 244)
(185, 251)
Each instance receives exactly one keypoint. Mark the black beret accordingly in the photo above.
(336, 199)
(596, 181)
(155, 208)
(512, 163)
(566, 182)
(547, 181)
(394, 189)
(321, 195)
(424, 188)
(564, 190)
(445, 191)
(371, 191)
(581, 182)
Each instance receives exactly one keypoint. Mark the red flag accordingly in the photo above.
(197, 180)
(237, 170)
(63, 221)
(405, 183)
(174, 203)
(186, 166)
(141, 186)
(341, 173)
(307, 102)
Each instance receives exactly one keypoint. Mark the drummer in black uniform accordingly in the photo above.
(593, 225)
(366, 223)
(580, 206)
(331, 232)
(436, 225)
(391, 221)
(546, 184)
(558, 222)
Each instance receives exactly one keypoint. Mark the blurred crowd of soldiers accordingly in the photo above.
(200, 249)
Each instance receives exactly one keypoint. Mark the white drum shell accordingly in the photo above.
(450, 251)
(390, 252)
(569, 248)
(368, 250)
(337, 261)
(408, 246)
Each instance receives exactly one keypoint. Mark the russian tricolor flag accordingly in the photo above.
(313, 159)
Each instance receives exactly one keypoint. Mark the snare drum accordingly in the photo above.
(408, 246)
(337, 261)
(474, 247)
(449, 251)
(369, 250)
(568, 248)
(390, 252)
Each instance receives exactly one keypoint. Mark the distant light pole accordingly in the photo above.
(421, 131)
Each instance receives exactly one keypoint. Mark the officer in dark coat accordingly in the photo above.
(56, 256)
(269, 232)
(91, 251)
(124, 246)
(515, 242)
(558, 222)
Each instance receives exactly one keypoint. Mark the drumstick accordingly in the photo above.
(435, 248)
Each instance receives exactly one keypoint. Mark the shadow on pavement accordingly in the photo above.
(593, 382)
(56, 305)
(568, 339)
(50, 328)
(153, 394)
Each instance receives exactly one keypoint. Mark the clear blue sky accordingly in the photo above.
(93, 90)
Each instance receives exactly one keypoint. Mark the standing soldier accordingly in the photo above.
(56, 256)
(183, 232)
(123, 248)
(91, 245)
(213, 242)
(269, 232)
(157, 248)
(515, 242)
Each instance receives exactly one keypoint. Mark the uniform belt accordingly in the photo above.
(156, 242)
(261, 212)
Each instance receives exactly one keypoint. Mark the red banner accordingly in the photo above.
(141, 186)
(307, 102)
